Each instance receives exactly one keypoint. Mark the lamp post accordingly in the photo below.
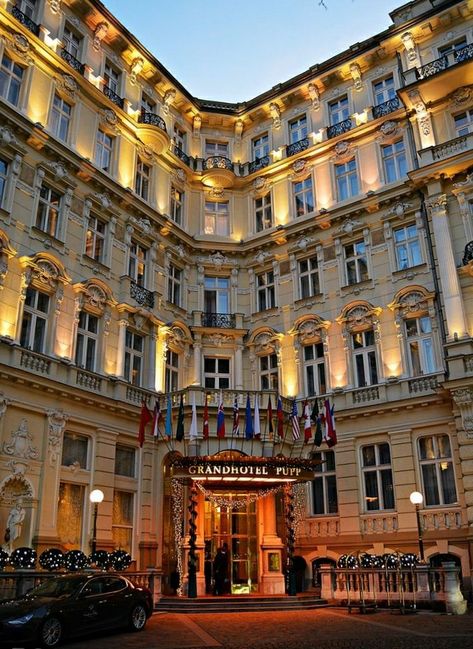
(96, 497)
(417, 499)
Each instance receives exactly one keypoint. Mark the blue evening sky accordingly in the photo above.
(233, 51)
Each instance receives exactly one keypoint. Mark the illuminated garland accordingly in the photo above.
(220, 501)
(177, 497)
(299, 490)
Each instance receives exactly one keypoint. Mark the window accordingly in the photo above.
(464, 123)
(147, 104)
(364, 358)
(75, 450)
(347, 180)
(70, 510)
(394, 161)
(174, 285)
(142, 179)
(407, 246)
(260, 146)
(216, 295)
(35, 320)
(216, 219)
(47, 216)
(420, 345)
(356, 264)
(297, 129)
(71, 42)
(103, 150)
(377, 477)
(314, 367)
(95, 238)
(171, 378)
(122, 520)
(112, 78)
(303, 196)
(87, 341)
(125, 464)
(28, 7)
(452, 47)
(134, 348)
(137, 263)
(11, 76)
(266, 296)
(217, 373)
(338, 110)
(216, 148)
(309, 277)
(269, 372)
(384, 90)
(60, 118)
(179, 137)
(263, 213)
(436, 466)
(3, 179)
(177, 204)
(324, 485)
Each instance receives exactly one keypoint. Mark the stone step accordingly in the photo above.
(238, 604)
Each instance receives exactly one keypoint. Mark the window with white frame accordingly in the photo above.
(11, 77)
(174, 285)
(309, 281)
(179, 137)
(464, 122)
(339, 110)
(365, 364)
(28, 7)
(314, 369)
(75, 450)
(103, 150)
(137, 262)
(142, 179)
(122, 520)
(112, 78)
(213, 148)
(455, 46)
(394, 161)
(177, 204)
(70, 512)
(217, 218)
(436, 464)
(47, 215)
(268, 366)
(324, 484)
(61, 115)
(125, 461)
(216, 373)
(265, 291)
(3, 179)
(346, 176)
(407, 247)
(171, 372)
(71, 41)
(297, 129)
(217, 295)
(134, 358)
(420, 345)
(263, 213)
(377, 477)
(384, 90)
(95, 238)
(260, 146)
(303, 196)
(356, 263)
(147, 104)
(87, 341)
(35, 320)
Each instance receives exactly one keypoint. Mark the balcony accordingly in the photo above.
(141, 295)
(153, 132)
(387, 107)
(297, 147)
(258, 163)
(25, 20)
(218, 172)
(445, 62)
(219, 320)
(179, 153)
(72, 61)
(118, 101)
(452, 151)
(340, 128)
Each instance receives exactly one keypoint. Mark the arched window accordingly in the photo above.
(362, 337)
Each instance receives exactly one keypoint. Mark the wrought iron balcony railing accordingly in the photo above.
(297, 147)
(72, 61)
(153, 119)
(258, 163)
(465, 54)
(25, 20)
(468, 253)
(219, 320)
(117, 100)
(179, 153)
(445, 62)
(386, 107)
(338, 129)
(141, 295)
(218, 162)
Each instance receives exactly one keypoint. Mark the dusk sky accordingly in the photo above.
(233, 51)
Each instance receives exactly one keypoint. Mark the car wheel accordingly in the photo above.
(138, 617)
(50, 634)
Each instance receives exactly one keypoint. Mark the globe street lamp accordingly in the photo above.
(96, 497)
(417, 499)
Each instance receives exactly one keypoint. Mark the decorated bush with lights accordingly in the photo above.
(3, 559)
(348, 561)
(120, 560)
(23, 558)
(366, 560)
(52, 559)
(409, 560)
(101, 559)
(75, 560)
(391, 561)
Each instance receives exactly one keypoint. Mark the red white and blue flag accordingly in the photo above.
(296, 428)
(220, 420)
(157, 419)
(330, 432)
(307, 423)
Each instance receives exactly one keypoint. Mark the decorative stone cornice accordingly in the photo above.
(437, 205)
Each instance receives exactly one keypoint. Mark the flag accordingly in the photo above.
(315, 412)
(205, 428)
(296, 429)
(180, 421)
(330, 433)
(157, 419)
(168, 426)
(145, 418)
(248, 419)
(318, 430)
(269, 418)
(307, 424)
(193, 429)
(257, 423)
(236, 419)
(280, 418)
(220, 420)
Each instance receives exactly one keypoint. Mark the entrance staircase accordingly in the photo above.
(239, 603)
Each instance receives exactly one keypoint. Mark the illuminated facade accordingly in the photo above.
(311, 242)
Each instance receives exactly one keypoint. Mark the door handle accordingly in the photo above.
(102, 601)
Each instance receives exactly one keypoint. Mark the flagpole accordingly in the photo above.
(283, 441)
(264, 435)
(315, 434)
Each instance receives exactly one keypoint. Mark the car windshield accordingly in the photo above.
(56, 587)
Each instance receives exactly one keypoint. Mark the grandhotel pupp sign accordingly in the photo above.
(246, 469)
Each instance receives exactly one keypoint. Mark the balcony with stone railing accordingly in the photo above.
(153, 132)
(455, 148)
(320, 527)
(433, 520)
(378, 523)
(218, 171)
(25, 20)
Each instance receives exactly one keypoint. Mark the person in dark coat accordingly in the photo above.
(220, 569)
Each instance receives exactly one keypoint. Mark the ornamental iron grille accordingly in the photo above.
(141, 295)
(152, 119)
(218, 162)
(464, 54)
(386, 107)
(218, 320)
(297, 147)
(468, 254)
(179, 153)
(72, 61)
(258, 163)
(434, 67)
(116, 99)
(340, 128)
(25, 20)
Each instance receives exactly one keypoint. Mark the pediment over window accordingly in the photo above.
(45, 271)
(178, 335)
(359, 316)
(264, 340)
(412, 301)
(94, 295)
(310, 328)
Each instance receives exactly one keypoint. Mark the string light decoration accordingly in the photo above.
(290, 538)
(377, 561)
(52, 559)
(221, 501)
(348, 561)
(409, 560)
(4, 556)
(23, 558)
(119, 559)
(391, 561)
(177, 498)
(300, 492)
(366, 560)
(100, 558)
(192, 558)
(75, 560)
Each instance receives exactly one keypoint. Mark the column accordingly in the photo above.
(197, 362)
(151, 372)
(272, 575)
(120, 367)
(239, 367)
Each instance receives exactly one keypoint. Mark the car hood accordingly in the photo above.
(17, 608)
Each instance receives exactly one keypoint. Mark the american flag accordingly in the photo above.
(236, 419)
(296, 429)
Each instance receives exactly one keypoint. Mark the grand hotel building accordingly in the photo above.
(314, 241)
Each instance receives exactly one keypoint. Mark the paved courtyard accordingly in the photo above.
(319, 629)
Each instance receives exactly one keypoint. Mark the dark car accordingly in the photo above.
(72, 605)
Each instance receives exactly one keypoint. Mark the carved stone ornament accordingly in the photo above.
(216, 192)
(260, 184)
(409, 44)
(142, 224)
(275, 113)
(437, 205)
(180, 175)
(196, 124)
(238, 129)
(109, 120)
(217, 259)
(261, 257)
(95, 297)
(423, 117)
(343, 149)
(19, 45)
(147, 152)
(57, 420)
(169, 97)
(399, 209)
(58, 169)
(4, 403)
(176, 337)
(304, 242)
(314, 95)
(265, 342)
(20, 444)
(45, 273)
(54, 6)
(462, 396)
(67, 84)
(360, 317)
(414, 302)
(135, 69)
(355, 72)
(308, 330)
(6, 136)
(461, 96)
(299, 166)
(99, 34)
(389, 129)
(218, 340)
(104, 200)
(16, 488)
(349, 225)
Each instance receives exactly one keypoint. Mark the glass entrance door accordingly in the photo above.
(230, 526)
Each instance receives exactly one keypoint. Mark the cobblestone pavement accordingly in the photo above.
(319, 629)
